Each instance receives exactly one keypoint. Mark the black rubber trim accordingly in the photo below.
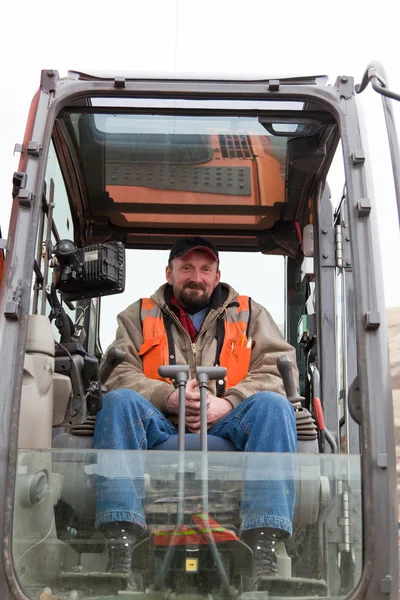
(170, 338)
(248, 322)
(220, 389)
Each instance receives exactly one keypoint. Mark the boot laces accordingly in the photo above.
(120, 556)
(121, 542)
(264, 555)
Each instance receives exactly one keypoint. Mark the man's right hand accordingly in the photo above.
(192, 400)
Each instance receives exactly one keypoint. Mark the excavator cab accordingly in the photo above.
(114, 170)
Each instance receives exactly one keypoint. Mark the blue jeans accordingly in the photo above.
(264, 422)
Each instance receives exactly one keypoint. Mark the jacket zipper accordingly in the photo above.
(194, 353)
(177, 321)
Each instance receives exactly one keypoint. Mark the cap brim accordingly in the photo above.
(204, 248)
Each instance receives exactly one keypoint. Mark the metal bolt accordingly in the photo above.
(324, 255)
(348, 263)
(347, 238)
(324, 230)
(344, 79)
(50, 73)
(331, 529)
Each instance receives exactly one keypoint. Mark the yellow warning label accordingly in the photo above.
(192, 564)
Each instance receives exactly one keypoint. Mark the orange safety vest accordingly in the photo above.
(235, 353)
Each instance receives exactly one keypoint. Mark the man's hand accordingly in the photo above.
(216, 409)
(192, 397)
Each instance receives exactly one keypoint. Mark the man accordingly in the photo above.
(196, 320)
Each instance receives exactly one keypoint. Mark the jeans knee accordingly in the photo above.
(122, 399)
(272, 402)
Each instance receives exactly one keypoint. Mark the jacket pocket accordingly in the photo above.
(149, 345)
(236, 359)
(153, 355)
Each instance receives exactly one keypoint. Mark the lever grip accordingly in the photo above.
(204, 374)
(285, 368)
(178, 372)
(114, 357)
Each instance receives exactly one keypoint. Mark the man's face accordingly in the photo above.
(193, 278)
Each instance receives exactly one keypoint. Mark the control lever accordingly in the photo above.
(285, 368)
(305, 426)
(113, 358)
(204, 374)
(180, 374)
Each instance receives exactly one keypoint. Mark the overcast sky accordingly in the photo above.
(279, 38)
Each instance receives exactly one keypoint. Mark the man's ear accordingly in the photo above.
(218, 278)
(168, 275)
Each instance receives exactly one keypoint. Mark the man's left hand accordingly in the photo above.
(217, 408)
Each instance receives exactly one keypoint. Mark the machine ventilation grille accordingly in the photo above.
(235, 146)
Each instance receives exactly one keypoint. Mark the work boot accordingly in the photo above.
(122, 538)
(262, 542)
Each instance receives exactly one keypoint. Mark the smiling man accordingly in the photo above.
(195, 319)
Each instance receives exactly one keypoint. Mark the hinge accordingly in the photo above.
(345, 249)
(335, 247)
(338, 246)
(344, 523)
(328, 258)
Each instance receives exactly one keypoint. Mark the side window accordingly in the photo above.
(55, 223)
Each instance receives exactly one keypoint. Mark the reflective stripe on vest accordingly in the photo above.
(236, 349)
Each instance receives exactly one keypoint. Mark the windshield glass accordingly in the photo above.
(192, 505)
(218, 165)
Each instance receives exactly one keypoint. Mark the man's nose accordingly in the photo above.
(197, 276)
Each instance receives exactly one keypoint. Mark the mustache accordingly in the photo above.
(195, 286)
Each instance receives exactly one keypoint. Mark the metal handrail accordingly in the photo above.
(376, 75)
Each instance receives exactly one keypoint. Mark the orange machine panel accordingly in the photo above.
(235, 176)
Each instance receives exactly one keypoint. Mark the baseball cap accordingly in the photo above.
(188, 244)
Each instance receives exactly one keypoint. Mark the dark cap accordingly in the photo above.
(188, 244)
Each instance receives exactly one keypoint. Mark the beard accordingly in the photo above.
(190, 300)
